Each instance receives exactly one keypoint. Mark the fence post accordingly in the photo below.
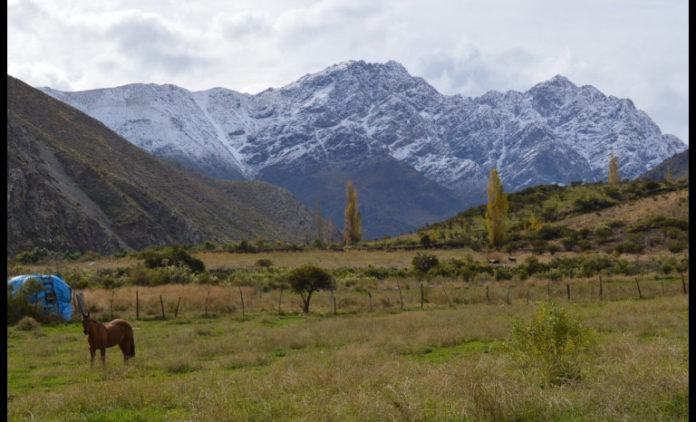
(241, 296)
(332, 303)
(421, 292)
(488, 296)
(600, 287)
(176, 312)
(449, 304)
(640, 295)
(401, 298)
(683, 282)
(162, 304)
(137, 306)
(369, 296)
(568, 289)
(280, 298)
(206, 302)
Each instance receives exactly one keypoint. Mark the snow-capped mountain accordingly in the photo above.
(355, 120)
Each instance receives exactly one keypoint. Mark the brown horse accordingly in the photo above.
(101, 336)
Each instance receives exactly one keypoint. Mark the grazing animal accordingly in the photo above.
(100, 336)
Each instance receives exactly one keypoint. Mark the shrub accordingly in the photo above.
(422, 263)
(676, 246)
(629, 247)
(553, 343)
(28, 323)
(264, 262)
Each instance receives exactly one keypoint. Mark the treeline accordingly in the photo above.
(266, 276)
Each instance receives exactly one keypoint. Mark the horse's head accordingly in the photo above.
(85, 322)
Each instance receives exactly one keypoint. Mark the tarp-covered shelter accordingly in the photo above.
(54, 298)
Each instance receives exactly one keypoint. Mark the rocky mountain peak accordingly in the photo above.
(330, 123)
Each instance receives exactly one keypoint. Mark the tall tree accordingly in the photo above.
(496, 210)
(613, 170)
(352, 230)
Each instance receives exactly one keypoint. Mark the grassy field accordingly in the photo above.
(436, 364)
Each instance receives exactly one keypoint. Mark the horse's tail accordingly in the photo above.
(132, 346)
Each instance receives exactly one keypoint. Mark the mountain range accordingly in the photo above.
(75, 185)
(416, 156)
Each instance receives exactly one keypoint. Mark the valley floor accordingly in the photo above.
(436, 364)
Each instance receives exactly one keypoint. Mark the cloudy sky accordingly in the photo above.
(636, 49)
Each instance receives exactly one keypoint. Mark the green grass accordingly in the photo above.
(443, 364)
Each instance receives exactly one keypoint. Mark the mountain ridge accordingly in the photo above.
(326, 122)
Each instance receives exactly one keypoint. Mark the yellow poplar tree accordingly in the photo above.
(352, 229)
(613, 170)
(496, 210)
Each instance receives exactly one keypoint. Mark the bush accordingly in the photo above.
(264, 262)
(174, 255)
(28, 323)
(422, 263)
(629, 247)
(676, 246)
(553, 343)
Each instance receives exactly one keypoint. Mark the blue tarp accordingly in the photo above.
(51, 284)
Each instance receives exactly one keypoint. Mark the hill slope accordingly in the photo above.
(74, 185)
(678, 164)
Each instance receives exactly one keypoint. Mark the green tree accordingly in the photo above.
(496, 210)
(613, 170)
(308, 279)
(353, 223)
(423, 262)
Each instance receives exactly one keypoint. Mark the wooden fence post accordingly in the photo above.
(280, 298)
(683, 282)
(449, 304)
(488, 297)
(111, 305)
(421, 292)
(206, 302)
(600, 287)
(162, 304)
(137, 307)
(176, 312)
(640, 295)
(241, 296)
(331, 301)
(369, 296)
(568, 289)
(401, 297)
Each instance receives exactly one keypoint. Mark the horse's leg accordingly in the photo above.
(124, 348)
(103, 356)
(92, 352)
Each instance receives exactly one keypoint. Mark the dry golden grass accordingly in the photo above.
(406, 366)
(671, 204)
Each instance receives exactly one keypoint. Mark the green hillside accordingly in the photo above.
(629, 217)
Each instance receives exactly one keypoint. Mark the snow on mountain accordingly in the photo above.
(556, 132)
